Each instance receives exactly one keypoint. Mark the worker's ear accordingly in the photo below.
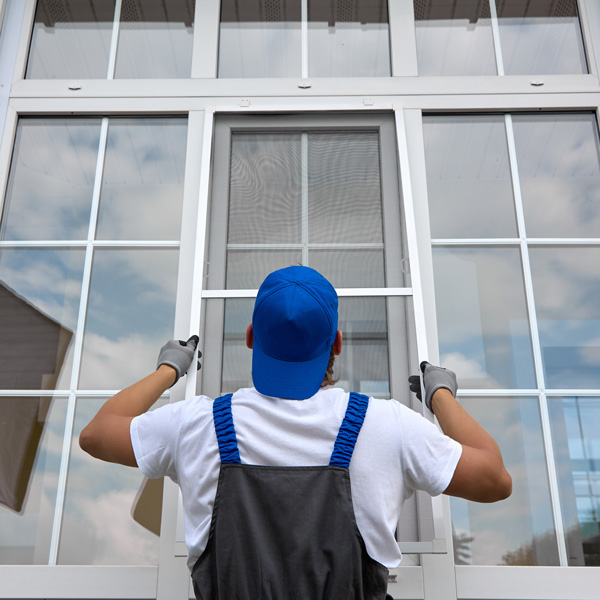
(249, 336)
(337, 343)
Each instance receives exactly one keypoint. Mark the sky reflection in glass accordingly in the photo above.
(482, 317)
(468, 177)
(519, 530)
(558, 157)
(566, 289)
(142, 184)
(51, 181)
(130, 315)
(97, 527)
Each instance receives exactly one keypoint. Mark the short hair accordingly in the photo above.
(329, 379)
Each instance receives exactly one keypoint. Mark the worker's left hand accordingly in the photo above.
(433, 379)
(179, 355)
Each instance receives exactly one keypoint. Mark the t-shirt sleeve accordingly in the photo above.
(154, 439)
(429, 457)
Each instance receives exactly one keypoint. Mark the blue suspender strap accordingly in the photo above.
(349, 430)
(228, 448)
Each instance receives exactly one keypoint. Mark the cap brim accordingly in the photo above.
(283, 379)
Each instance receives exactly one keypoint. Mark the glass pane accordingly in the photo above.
(344, 188)
(540, 38)
(247, 269)
(468, 177)
(51, 180)
(482, 317)
(519, 530)
(576, 440)
(559, 169)
(258, 38)
(363, 365)
(71, 39)
(143, 178)
(31, 436)
(348, 39)
(97, 527)
(349, 268)
(130, 315)
(566, 289)
(39, 305)
(454, 38)
(265, 193)
(155, 39)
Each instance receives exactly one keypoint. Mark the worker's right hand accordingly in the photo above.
(179, 355)
(433, 379)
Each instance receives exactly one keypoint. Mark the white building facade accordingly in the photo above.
(438, 161)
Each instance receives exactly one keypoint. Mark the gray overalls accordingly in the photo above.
(286, 533)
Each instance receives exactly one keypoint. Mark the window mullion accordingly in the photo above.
(537, 351)
(304, 26)
(496, 38)
(78, 348)
(114, 42)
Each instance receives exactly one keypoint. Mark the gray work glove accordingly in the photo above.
(179, 355)
(433, 379)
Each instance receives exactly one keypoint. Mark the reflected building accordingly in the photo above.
(438, 161)
(32, 353)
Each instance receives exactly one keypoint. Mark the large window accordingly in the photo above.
(304, 38)
(514, 224)
(89, 245)
(498, 37)
(90, 39)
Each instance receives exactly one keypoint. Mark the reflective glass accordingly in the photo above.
(362, 367)
(559, 169)
(31, 437)
(468, 177)
(482, 317)
(540, 38)
(454, 38)
(519, 530)
(155, 39)
(97, 527)
(142, 184)
(566, 289)
(39, 306)
(348, 39)
(130, 315)
(575, 425)
(258, 38)
(70, 39)
(51, 180)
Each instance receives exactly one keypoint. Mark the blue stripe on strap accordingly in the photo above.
(349, 430)
(228, 447)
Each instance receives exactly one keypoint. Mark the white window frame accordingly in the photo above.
(201, 97)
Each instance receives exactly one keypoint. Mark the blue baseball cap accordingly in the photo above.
(295, 323)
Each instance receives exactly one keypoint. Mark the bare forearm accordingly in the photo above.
(139, 397)
(458, 424)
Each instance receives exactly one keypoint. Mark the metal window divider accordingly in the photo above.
(114, 41)
(537, 352)
(78, 348)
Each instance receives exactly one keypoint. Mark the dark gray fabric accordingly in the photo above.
(286, 533)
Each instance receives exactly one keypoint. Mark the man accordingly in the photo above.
(292, 490)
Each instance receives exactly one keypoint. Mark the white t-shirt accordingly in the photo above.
(397, 451)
